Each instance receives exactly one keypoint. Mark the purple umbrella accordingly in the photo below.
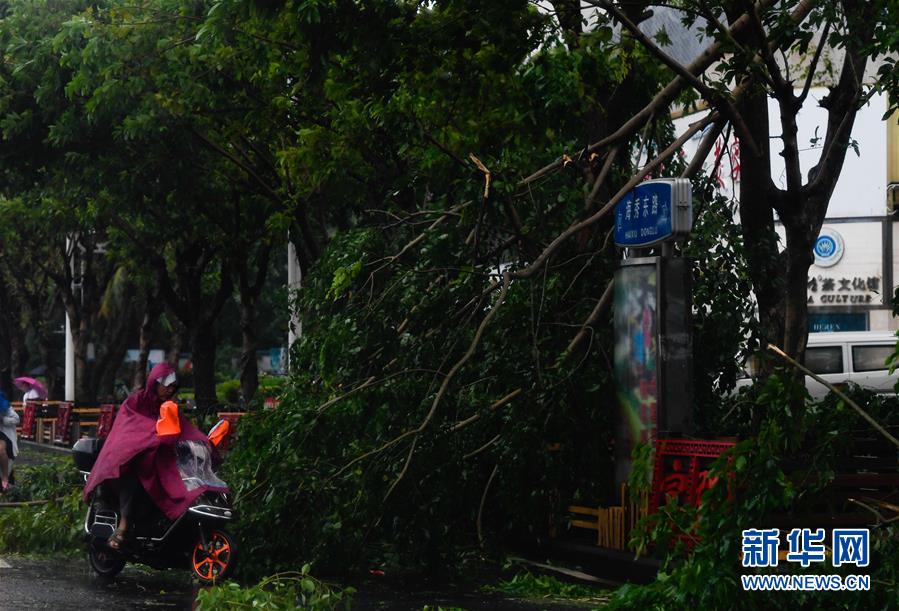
(25, 383)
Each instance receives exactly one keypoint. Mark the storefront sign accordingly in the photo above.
(837, 321)
(831, 290)
(848, 269)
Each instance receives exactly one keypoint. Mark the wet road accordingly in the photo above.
(68, 584)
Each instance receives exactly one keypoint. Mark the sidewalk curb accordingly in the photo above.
(42, 446)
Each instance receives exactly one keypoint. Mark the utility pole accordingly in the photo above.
(294, 283)
(70, 343)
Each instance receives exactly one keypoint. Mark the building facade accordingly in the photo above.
(851, 283)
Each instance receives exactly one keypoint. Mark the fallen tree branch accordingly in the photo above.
(836, 391)
(721, 100)
(880, 516)
(475, 342)
(32, 503)
(488, 178)
(601, 305)
(388, 260)
(603, 173)
(709, 56)
(633, 182)
(482, 448)
(371, 381)
(703, 150)
(481, 507)
(496, 405)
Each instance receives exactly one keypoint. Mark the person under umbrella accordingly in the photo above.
(34, 390)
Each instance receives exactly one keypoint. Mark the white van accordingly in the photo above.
(848, 356)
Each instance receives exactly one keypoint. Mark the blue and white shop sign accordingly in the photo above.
(653, 212)
(828, 247)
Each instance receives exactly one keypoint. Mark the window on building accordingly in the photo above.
(824, 359)
(870, 358)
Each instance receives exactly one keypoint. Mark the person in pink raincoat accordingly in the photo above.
(140, 451)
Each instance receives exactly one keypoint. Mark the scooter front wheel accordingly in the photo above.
(104, 562)
(213, 557)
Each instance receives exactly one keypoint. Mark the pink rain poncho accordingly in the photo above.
(133, 445)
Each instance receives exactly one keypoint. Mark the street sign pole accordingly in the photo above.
(652, 317)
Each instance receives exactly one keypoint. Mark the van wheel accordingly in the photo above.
(214, 560)
(105, 562)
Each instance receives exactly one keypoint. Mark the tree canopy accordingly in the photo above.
(447, 171)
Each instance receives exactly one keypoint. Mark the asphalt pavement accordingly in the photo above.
(68, 583)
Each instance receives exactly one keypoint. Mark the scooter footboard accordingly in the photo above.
(100, 522)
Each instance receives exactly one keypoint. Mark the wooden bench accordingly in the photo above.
(85, 421)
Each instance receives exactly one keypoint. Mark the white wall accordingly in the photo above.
(861, 189)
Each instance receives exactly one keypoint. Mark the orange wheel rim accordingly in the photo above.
(210, 561)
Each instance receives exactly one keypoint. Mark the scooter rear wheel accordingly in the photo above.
(215, 560)
(105, 562)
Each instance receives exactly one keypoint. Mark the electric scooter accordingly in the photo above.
(198, 539)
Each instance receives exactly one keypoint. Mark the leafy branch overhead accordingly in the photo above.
(446, 171)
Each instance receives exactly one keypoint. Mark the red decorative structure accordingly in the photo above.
(681, 470)
(271, 403)
(63, 424)
(107, 417)
(28, 421)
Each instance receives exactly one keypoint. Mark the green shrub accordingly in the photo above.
(45, 528)
(228, 392)
(781, 470)
(54, 526)
(54, 477)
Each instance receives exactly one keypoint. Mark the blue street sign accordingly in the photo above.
(653, 212)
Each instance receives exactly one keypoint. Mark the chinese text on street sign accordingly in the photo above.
(653, 212)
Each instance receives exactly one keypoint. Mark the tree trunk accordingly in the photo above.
(799, 247)
(176, 345)
(83, 369)
(6, 384)
(148, 321)
(203, 348)
(48, 354)
(107, 366)
(766, 266)
(249, 372)
(18, 354)
(249, 301)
